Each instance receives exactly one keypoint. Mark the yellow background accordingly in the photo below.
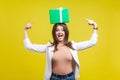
(101, 62)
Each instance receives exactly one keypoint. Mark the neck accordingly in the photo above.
(60, 44)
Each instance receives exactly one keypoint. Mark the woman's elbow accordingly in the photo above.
(94, 42)
(28, 47)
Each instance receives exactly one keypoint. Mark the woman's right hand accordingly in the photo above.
(28, 26)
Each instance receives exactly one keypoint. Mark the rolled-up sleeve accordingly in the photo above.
(35, 47)
(86, 44)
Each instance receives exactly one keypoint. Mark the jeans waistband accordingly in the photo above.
(62, 76)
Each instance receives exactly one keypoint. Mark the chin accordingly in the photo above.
(60, 40)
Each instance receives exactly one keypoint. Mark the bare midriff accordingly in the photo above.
(62, 61)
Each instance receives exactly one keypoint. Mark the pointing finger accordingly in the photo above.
(87, 19)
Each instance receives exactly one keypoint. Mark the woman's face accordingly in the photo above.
(60, 33)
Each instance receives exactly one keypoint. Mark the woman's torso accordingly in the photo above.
(62, 61)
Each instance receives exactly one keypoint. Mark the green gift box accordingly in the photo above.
(59, 15)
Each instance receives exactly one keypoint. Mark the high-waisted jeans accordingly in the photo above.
(69, 76)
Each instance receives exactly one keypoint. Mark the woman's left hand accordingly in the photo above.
(91, 22)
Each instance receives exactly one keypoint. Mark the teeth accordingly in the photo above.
(60, 35)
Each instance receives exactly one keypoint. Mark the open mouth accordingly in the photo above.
(60, 36)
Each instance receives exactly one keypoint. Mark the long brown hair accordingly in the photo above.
(55, 42)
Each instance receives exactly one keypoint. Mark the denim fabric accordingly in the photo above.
(72, 77)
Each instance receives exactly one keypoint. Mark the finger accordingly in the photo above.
(86, 19)
(30, 22)
(28, 27)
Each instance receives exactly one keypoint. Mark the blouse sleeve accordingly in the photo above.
(35, 47)
(86, 44)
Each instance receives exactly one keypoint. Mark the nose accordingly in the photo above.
(60, 31)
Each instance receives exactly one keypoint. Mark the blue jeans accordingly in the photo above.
(69, 76)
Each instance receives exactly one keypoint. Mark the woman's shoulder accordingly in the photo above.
(49, 44)
(72, 41)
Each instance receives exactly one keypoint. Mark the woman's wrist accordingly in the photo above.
(95, 28)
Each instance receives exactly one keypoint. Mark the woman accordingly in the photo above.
(61, 56)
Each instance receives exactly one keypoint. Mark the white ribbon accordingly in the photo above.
(60, 9)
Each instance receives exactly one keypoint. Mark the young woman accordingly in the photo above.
(61, 56)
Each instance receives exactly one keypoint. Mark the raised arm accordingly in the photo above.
(95, 27)
(93, 39)
(28, 26)
(29, 45)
